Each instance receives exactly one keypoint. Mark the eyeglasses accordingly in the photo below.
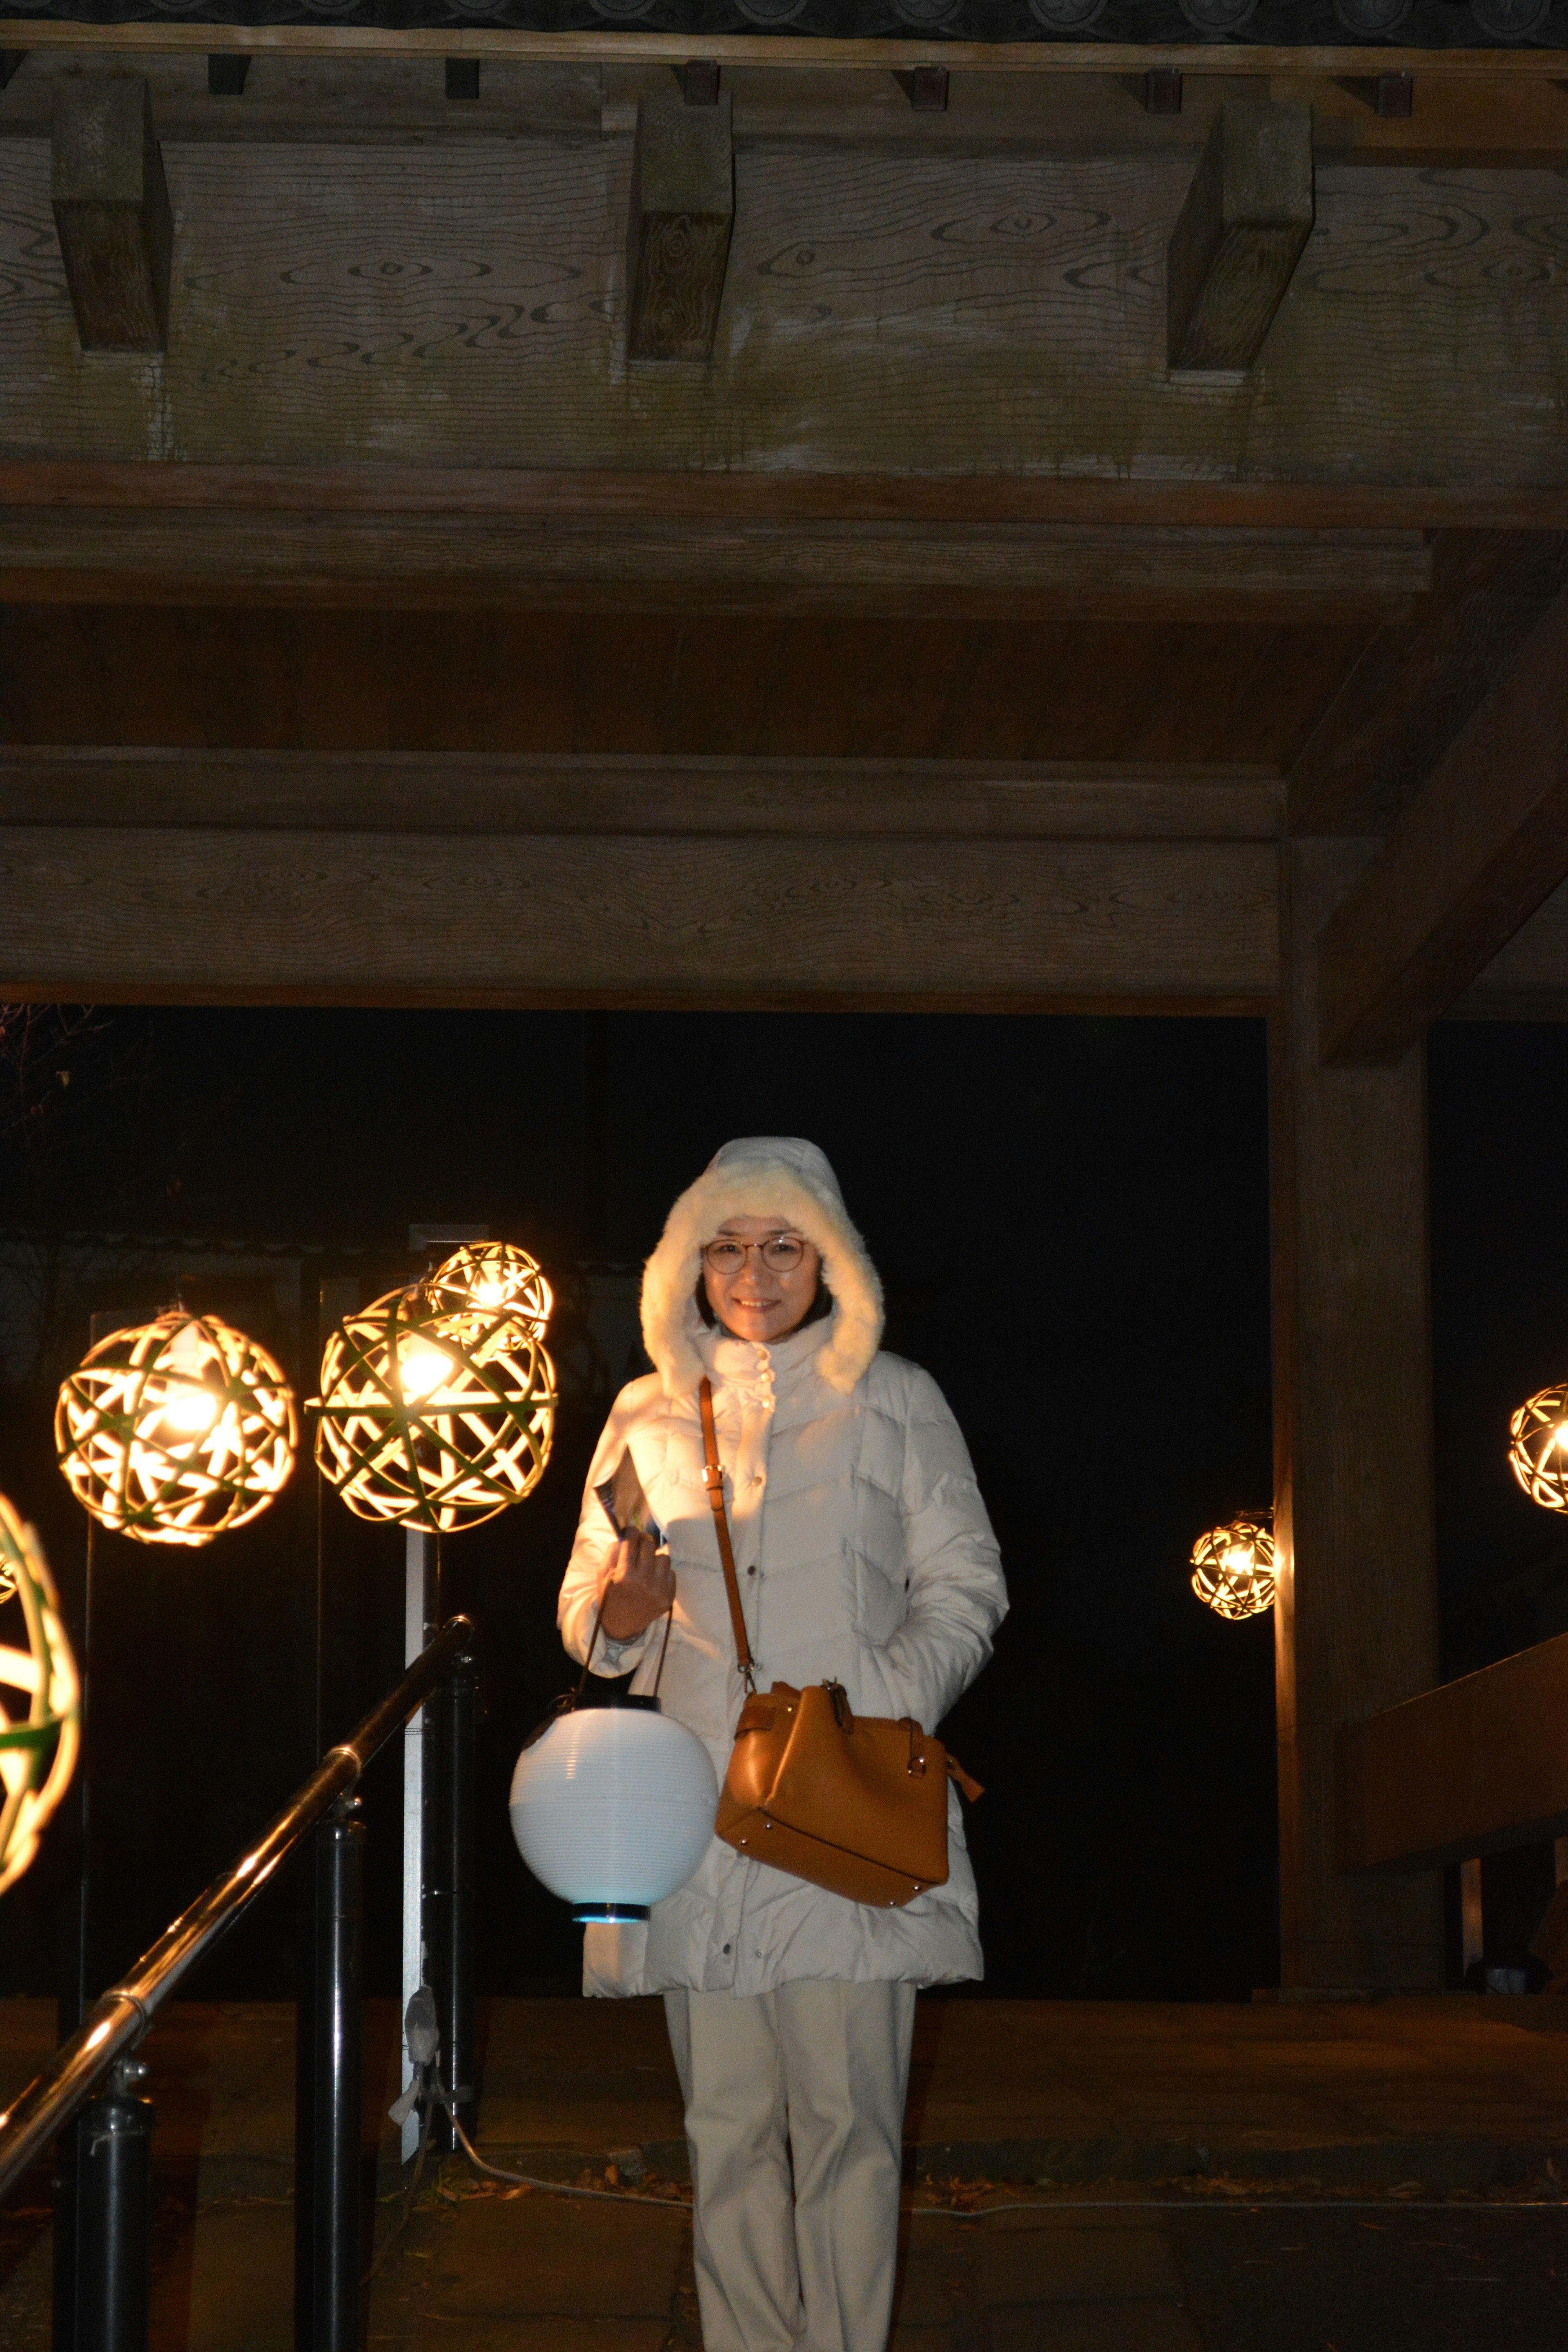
(781, 1254)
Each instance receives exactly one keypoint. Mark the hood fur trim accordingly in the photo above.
(763, 1176)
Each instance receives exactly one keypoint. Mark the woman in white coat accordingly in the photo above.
(863, 1555)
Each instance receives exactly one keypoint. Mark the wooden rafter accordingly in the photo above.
(1421, 678)
(1481, 846)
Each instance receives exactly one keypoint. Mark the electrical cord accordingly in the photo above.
(559, 2187)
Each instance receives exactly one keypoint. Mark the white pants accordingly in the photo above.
(794, 2115)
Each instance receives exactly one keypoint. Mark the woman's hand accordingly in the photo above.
(637, 1586)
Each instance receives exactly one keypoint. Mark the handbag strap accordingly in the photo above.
(713, 1479)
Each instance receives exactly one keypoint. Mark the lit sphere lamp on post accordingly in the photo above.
(1538, 1447)
(177, 1430)
(483, 1277)
(1233, 1566)
(431, 1418)
(39, 1741)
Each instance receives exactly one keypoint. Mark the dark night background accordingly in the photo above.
(1071, 1218)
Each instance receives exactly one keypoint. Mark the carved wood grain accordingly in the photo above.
(888, 312)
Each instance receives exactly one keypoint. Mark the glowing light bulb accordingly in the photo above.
(1239, 1558)
(190, 1410)
(420, 1368)
(490, 1294)
(1560, 1438)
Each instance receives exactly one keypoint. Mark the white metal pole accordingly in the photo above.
(417, 1552)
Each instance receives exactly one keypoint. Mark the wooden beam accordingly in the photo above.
(111, 913)
(713, 563)
(1421, 678)
(1356, 1619)
(112, 210)
(1468, 1769)
(677, 239)
(1472, 122)
(614, 45)
(1473, 857)
(676, 498)
(480, 792)
(1239, 235)
(1529, 981)
(839, 351)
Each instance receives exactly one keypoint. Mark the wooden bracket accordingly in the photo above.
(1246, 218)
(1397, 96)
(925, 87)
(9, 61)
(112, 210)
(462, 78)
(226, 70)
(1162, 91)
(682, 214)
(700, 81)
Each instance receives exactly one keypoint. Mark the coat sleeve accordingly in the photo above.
(957, 1593)
(594, 1541)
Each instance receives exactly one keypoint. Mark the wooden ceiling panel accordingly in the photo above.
(655, 685)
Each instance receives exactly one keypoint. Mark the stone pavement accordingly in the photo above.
(1222, 2180)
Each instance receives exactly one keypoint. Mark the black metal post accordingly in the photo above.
(114, 2216)
(79, 1977)
(329, 2228)
(452, 1729)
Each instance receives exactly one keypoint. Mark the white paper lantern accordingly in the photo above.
(612, 1808)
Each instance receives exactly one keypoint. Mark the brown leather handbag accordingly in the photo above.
(854, 1804)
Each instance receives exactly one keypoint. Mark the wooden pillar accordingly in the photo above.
(1356, 1621)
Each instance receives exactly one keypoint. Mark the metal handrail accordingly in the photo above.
(118, 2022)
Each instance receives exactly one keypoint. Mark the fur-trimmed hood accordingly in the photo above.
(762, 1176)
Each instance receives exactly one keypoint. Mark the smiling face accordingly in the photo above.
(760, 1302)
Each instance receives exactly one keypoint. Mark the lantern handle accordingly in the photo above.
(593, 1640)
(588, 1659)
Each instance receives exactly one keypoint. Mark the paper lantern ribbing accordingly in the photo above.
(482, 1278)
(612, 1808)
(177, 1429)
(1233, 1566)
(38, 1744)
(1538, 1447)
(434, 1420)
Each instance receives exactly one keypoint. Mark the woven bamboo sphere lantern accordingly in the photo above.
(1233, 1566)
(40, 1698)
(483, 1277)
(1538, 1447)
(177, 1429)
(433, 1419)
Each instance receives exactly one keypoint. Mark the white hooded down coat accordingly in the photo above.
(864, 1553)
